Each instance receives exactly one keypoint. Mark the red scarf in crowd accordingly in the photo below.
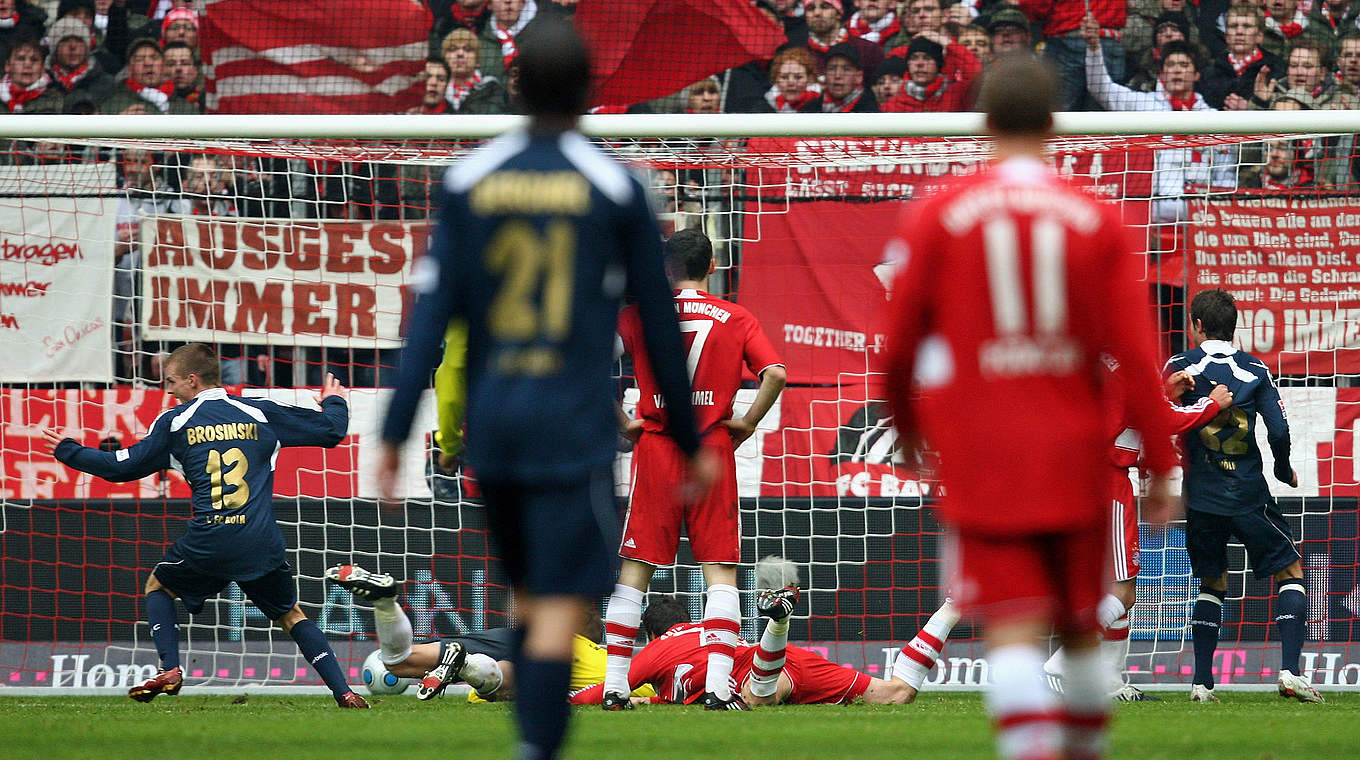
(784, 104)
(879, 31)
(10, 22)
(508, 49)
(1240, 65)
(158, 96)
(817, 47)
(467, 18)
(458, 91)
(844, 105)
(1291, 30)
(443, 107)
(1178, 104)
(68, 80)
(14, 96)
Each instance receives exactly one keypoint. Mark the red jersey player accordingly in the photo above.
(1013, 283)
(721, 338)
(675, 664)
(1112, 614)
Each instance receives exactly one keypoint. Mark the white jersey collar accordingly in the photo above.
(1219, 347)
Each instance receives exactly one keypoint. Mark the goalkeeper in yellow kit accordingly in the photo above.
(481, 659)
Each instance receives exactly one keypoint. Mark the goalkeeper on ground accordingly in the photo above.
(482, 660)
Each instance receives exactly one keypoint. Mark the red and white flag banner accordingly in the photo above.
(340, 56)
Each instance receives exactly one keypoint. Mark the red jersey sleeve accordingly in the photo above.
(630, 330)
(758, 351)
(1129, 333)
(1187, 418)
(909, 310)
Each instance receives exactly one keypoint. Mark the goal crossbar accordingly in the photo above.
(410, 127)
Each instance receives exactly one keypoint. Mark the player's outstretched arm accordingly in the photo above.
(1277, 431)
(147, 456)
(295, 426)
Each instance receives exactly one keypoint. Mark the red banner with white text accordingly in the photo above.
(1293, 265)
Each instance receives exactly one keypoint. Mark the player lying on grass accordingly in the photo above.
(225, 447)
(481, 660)
(772, 672)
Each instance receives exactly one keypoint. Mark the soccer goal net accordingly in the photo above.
(286, 242)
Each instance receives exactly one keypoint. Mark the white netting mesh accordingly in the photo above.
(289, 255)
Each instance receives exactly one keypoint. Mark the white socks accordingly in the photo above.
(483, 674)
(1086, 703)
(916, 659)
(394, 630)
(621, 623)
(768, 661)
(1025, 711)
(722, 622)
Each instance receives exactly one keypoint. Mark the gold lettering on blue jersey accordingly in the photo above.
(531, 362)
(528, 192)
(223, 431)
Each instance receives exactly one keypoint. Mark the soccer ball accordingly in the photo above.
(379, 680)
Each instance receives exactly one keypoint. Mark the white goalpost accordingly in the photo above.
(286, 241)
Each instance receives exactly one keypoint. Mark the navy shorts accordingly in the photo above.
(556, 539)
(496, 643)
(274, 592)
(1264, 533)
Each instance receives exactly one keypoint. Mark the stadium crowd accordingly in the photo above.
(143, 57)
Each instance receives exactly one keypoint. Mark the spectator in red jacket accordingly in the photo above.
(926, 88)
(1065, 49)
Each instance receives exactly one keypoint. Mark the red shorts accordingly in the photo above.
(1124, 528)
(816, 680)
(1059, 576)
(651, 532)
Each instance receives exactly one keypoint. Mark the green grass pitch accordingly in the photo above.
(1246, 726)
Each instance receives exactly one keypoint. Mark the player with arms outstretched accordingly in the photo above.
(994, 340)
(721, 337)
(225, 446)
(539, 235)
(1227, 496)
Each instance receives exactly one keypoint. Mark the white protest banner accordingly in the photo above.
(276, 281)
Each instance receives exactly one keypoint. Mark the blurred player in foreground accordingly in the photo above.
(723, 337)
(225, 446)
(539, 235)
(481, 659)
(1112, 614)
(675, 661)
(1012, 285)
(1227, 495)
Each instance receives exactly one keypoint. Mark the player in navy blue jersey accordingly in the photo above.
(225, 446)
(1227, 497)
(539, 236)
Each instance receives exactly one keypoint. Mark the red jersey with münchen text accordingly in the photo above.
(720, 338)
(1012, 284)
